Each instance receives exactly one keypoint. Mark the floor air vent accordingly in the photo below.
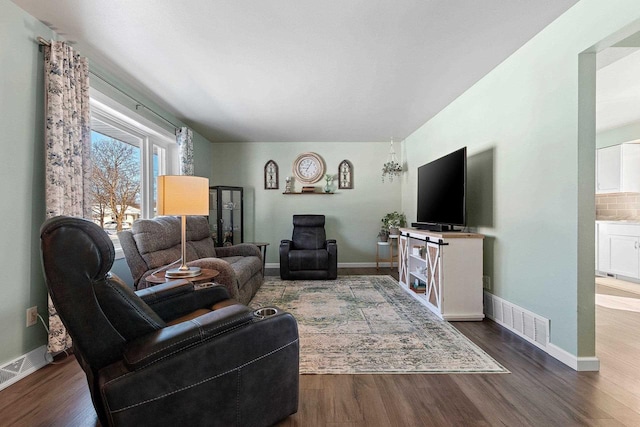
(22, 366)
(528, 325)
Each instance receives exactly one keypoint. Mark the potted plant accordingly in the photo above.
(383, 235)
(393, 221)
(391, 169)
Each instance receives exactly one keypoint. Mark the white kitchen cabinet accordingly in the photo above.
(603, 253)
(624, 255)
(618, 249)
(618, 169)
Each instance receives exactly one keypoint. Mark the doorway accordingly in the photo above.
(617, 202)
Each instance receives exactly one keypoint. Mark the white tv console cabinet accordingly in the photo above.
(449, 266)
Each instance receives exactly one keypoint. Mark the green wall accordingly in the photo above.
(532, 157)
(21, 180)
(22, 175)
(353, 216)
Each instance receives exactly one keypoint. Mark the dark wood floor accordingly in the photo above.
(539, 391)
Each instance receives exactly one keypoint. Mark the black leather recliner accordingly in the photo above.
(308, 255)
(173, 354)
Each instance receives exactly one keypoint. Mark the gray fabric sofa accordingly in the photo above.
(151, 244)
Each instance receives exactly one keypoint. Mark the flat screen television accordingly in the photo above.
(442, 191)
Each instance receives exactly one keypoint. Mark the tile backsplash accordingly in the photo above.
(618, 206)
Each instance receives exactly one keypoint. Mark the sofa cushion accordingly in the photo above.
(203, 248)
(199, 237)
(157, 234)
(159, 241)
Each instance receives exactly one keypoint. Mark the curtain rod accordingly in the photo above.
(44, 42)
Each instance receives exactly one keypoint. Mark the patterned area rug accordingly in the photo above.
(368, 324)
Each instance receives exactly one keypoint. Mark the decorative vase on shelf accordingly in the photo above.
(328, 178)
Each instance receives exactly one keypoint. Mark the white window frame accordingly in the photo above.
(149, 135)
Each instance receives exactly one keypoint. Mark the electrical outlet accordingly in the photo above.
(486, 283)
(32, 315)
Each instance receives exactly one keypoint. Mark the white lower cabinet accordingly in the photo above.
(443, 271)
(618, 249)
(603, 256)
(624, 255)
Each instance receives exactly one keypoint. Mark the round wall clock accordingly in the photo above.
(308, 168)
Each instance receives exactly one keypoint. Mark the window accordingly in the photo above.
(128, 153)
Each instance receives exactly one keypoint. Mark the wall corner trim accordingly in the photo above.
(582, 364)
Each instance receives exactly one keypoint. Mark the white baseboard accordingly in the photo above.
(535, 329)
(15, 370)
(574, 362)
(345, 265)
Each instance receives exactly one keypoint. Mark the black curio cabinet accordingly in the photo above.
(226, 215)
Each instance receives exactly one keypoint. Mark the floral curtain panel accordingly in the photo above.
(184, 138)
(67, 150)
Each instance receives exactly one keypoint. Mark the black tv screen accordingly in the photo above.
(442, 191)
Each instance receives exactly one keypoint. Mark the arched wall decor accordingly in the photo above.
(271, 175)
(345, 175)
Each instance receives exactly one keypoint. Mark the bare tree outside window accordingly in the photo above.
(115, 182)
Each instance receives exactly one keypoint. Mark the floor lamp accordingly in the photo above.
(183, 195)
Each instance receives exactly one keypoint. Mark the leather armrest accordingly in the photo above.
(172, 339)
(173, 299)
(332, 248)
(286, 245)
(165, 290)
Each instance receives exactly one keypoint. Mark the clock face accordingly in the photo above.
(308, 168)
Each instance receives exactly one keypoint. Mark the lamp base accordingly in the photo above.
(177, 273)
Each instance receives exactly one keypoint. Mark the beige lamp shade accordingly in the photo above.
(183, 195)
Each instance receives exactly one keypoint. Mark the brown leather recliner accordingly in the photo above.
(173, 354)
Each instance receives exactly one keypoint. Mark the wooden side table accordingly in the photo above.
(206, 274)
(392, 257)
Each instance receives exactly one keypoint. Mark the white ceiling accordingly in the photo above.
(618, 88)
(299, 70)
